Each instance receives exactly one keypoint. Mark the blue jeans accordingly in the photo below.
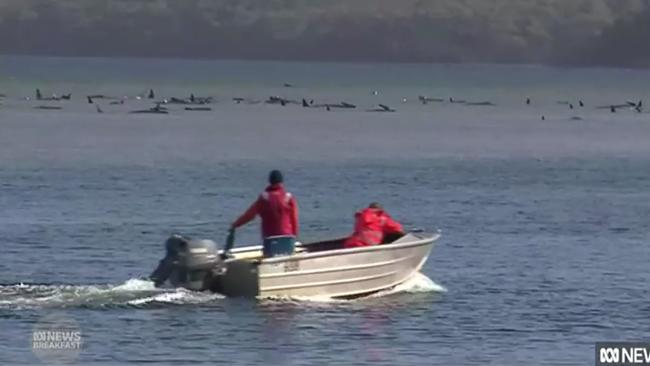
(275, 246)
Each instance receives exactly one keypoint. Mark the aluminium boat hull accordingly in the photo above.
(323, 269)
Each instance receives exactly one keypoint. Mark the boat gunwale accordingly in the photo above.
(429, 240)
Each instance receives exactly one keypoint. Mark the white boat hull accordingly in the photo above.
(333, 273)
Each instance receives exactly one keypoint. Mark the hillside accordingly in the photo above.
(542, 31)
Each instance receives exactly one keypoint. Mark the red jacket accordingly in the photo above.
(278, 210)
(370, 228)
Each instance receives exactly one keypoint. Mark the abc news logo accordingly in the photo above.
(622, 354)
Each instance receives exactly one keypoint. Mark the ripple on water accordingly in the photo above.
(141, 293)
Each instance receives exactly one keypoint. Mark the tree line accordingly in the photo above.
(592, 32)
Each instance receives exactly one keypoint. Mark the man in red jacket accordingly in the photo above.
(279, 213)
(371, 227)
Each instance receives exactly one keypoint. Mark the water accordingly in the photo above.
(545, 223)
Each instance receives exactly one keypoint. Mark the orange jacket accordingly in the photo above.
(370, 228)
(278, 210)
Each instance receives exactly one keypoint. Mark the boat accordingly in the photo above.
(316, 269)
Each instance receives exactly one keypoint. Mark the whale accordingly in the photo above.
(480, 104)
(382, 108)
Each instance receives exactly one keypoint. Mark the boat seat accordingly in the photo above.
(257, 254)
(323, 246)
(391, 238)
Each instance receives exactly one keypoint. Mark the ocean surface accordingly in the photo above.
(545, 222)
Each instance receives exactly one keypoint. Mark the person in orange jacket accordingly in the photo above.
(371, 226)
(278, 210)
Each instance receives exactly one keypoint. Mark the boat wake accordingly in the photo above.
(143, 293)
(417, 283)
(132, 293)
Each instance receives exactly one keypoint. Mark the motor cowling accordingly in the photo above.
(188, 263)
(199, 254)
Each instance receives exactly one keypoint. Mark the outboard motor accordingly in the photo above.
(189, 263)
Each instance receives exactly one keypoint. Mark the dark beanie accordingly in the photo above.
(275, 177)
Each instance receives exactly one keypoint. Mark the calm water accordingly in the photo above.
(546, 224)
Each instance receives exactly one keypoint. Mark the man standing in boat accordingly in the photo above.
(278, 210)
(372, 225)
